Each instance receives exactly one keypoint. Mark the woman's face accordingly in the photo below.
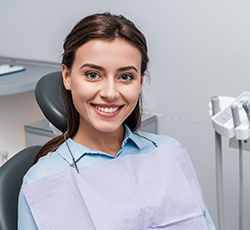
(105, 82)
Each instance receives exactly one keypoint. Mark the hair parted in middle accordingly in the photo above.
(105, 26)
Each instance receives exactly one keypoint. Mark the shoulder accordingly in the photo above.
(46, 165)
(161, 139)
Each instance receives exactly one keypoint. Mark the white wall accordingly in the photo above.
(15, 112)
(198, 49)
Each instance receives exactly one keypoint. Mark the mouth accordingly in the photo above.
(107, 109)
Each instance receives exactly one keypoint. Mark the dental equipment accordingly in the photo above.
(231, 119)
(246, 106)
(237, 122)
(219, 169)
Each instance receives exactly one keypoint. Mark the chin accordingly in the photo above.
(108, 128)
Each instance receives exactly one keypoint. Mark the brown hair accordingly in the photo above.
(102, 26)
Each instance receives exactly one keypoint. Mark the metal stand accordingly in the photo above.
(241, 192)
(219, 181)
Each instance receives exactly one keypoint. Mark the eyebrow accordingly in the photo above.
(125, 68)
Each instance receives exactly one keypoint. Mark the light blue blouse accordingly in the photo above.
(133, 143)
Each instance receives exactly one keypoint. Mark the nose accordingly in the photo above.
(109, 90)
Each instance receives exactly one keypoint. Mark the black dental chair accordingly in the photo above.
(49, 99)
(11, 173)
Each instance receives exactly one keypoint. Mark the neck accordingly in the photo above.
(108, 142)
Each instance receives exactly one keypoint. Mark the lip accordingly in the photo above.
(107, 114)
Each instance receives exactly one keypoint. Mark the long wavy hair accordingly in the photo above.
(97, 26)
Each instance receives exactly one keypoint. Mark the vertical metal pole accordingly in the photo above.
(219, 168)
(219, 181)
(241, 193)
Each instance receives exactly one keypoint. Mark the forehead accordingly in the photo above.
(104, 52)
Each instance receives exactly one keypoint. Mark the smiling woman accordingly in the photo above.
(132, 177)
(105, 90)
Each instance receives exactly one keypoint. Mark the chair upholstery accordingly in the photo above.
(50, 101)
(11, 175)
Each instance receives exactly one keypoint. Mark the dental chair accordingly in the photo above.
(11, 173)
(49, 99)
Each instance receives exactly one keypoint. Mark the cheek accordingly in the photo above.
(133, 94)
(82, 93)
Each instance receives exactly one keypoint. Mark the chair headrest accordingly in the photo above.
(49, 98)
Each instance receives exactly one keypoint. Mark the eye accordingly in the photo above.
(126, 77)
(92, 75)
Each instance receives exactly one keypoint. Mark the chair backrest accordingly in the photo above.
(49, 99)
(11, 176)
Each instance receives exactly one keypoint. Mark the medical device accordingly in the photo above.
(231, 119)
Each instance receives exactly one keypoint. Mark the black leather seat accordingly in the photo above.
(11, 175)
(49, 99)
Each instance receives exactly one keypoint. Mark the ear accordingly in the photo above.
(66, 77)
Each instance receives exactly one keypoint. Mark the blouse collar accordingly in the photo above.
(79, 150)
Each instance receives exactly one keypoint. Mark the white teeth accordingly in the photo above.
(107, 110)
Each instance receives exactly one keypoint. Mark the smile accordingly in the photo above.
(107, 109)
